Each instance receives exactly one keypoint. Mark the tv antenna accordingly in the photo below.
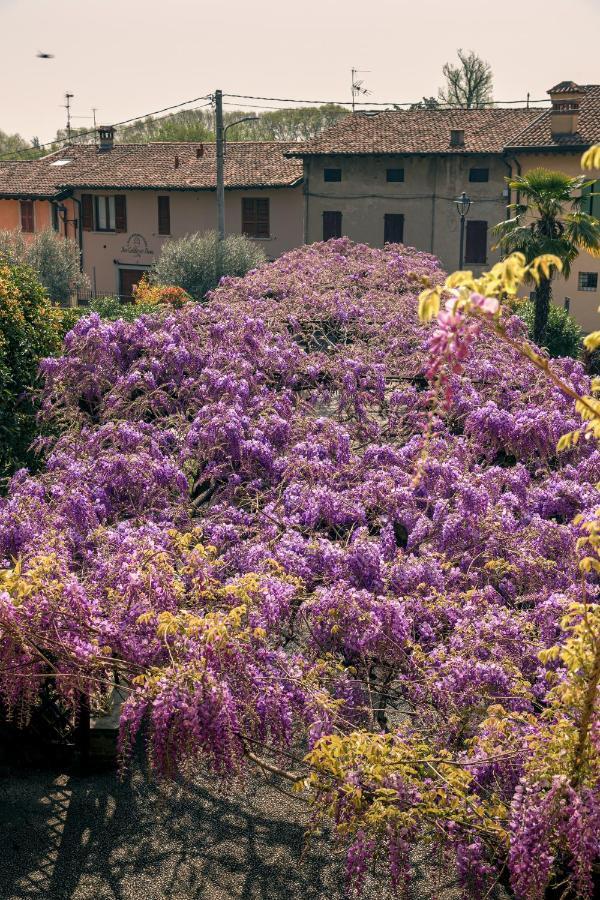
(68, 98)
(357, 86)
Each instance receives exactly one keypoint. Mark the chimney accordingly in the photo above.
(457, 137)
(106, 135)
(566, 98)
(200, 151)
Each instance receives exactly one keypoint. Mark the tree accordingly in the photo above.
(468, 84)
(30, 329)
(548, 220)
(197, 262)
(54, 259)
(425, 103)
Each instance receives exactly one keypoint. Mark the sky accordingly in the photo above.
(131, 57)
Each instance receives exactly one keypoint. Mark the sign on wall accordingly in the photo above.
(137, 246)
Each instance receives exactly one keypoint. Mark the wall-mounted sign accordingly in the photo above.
(137, 246)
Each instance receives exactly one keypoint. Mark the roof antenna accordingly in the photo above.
(68, 98)
(357, 86)
(528, 96)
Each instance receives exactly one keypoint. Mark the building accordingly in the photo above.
(556, 139)
(394, 176)
(121, 202)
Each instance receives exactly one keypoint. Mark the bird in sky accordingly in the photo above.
(42, 55)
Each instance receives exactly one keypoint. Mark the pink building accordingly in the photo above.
(121, 202)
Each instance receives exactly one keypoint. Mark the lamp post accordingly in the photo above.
(463, 204)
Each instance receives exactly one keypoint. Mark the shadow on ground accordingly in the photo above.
(97, 838)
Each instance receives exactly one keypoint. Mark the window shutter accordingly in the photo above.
(476, 242)
(120, 213)
(87, 212)
(393, 228)
(256, 217)
(164, 215)
(27, 222)
(332, 224)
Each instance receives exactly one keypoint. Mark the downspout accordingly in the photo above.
(508, 199)
(433, 200)
(305, 190)
(79, 232)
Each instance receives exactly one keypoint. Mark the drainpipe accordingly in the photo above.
(305, 190)
(433, 201)
(79, 232)
(517, 166)
(509, 167)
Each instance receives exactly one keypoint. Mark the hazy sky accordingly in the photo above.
(129, 57)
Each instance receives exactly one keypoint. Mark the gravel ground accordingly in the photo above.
(97, 838)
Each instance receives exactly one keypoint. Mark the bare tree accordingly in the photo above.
(468, 84)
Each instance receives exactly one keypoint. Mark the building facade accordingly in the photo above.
(122, 202)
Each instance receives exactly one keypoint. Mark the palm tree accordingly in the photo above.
(548, 219)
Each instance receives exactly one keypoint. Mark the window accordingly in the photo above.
(27, 223)
(590, 203)
(164, 215)
(332, 174)
(587, 281)
(255, 217)
(332, 224)
(103, 213)
(394, 175)
(393, 228)
(479, 174)
(476, 242)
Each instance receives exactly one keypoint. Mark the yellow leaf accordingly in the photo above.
(591, 158)
(429, 304)
(592, 341)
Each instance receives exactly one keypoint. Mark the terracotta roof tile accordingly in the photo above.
(419, 131)
(538, 134)
(164, 166)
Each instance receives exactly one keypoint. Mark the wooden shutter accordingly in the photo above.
(393, 228)
(476, 242)
(87, 212)
(256, 217)
(332, 224)
(120, 212)
(164, 215)
(27, 222)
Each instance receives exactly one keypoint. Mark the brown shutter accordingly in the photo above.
(476, 242)
(332, 224)
(120, 213)
(164, 215)
(87, 212)
(27, 221)
(393, 228)
(256, 217)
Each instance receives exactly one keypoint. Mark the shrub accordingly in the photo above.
(197, 262)
(30, 328)
(563, 334)
(148, 294)
(54, 259)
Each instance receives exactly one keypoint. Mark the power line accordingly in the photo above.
(390, 103)
(81, 134)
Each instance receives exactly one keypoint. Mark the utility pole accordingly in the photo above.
(220, 135)
(68, 98)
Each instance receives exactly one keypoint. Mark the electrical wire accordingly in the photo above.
(391, 103)
(81, 134)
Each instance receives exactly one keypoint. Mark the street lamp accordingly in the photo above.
(463, 204)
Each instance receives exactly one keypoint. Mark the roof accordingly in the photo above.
(419, 131)
(538, 135)
(565, 87)
(162, 166)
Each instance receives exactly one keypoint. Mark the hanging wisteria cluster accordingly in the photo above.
(299, 523)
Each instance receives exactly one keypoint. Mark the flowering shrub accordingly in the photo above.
(262, 513)
(146, 293)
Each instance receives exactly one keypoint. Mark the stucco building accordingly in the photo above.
(394, 176)
(121, 202)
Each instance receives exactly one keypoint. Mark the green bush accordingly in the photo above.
(197, 262)
(563, 334)
(30, 329)
(54, 259)
(109, 308)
